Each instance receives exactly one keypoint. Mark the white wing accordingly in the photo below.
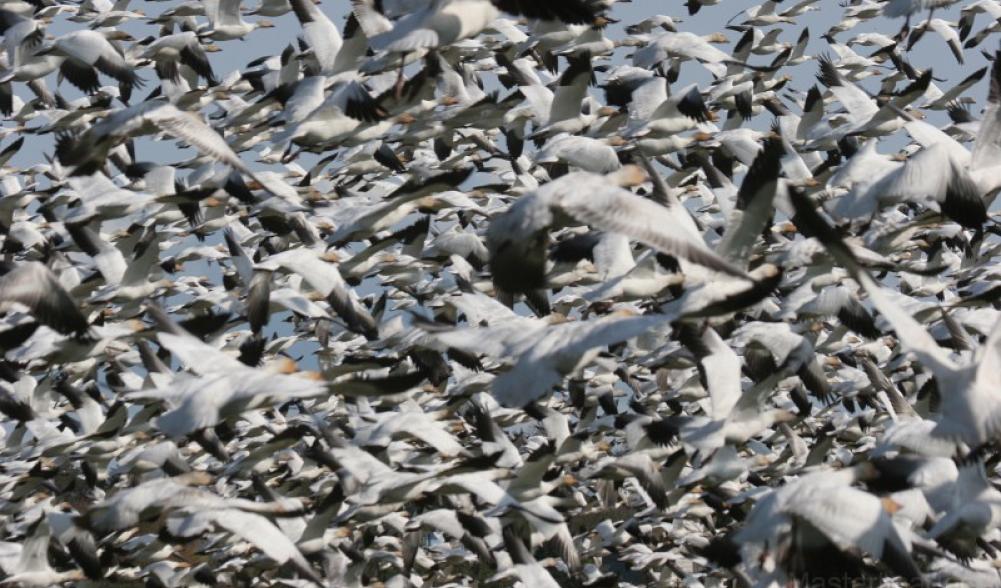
(610, 208)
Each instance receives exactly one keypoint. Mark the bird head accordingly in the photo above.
(607, 111)
(117, 35)
(784, 416)
(50, 50)
(195, 478)
(602, 21)
(890, 505)
(865, 471)
(629, 175)
(556, 318)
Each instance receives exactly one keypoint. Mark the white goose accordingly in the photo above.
(970, 411)
(681, 47)
(651, 110)
(846, 519)
(86, 51)
(544, 351)
(320, 33)
(346, 110)
(181, 53)
(445, 22)
(88, 151)
(585, 153)
(226, 23)
(963, 183)
(975, 510)
(517, 238)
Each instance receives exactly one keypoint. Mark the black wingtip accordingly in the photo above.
(765, 168)
(828, 75)
(813, 99)
(694, 107)
(994, 93)
(963, 202)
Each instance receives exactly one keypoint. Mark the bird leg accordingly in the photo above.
(920, 31)
(506, 298)
(289, 155)
(978, 453)
(902, 35)
(208, 440)
(398, 88)
(663, 160)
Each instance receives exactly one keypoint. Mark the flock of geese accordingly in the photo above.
(481, 292)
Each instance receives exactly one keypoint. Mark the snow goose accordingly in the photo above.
(526, 568)
(942, 28)
(33, 286)
(683, 46)
(936, 99)
(866, 117)
(517, 239)
(764, 14)
(969, 13)
(22, 41)
(694, 6)
(798, 54)
(975, 510)
(32, 567)
(970, 412)
(171, 52)
(321, 35)
(815, 526)
(935, 478)
(652, 111)
(563, 113)
(754, 203)
(445, 22)
(272, 8)
(932, 176)
(963, 183)
(347, 109)
(88, 151)
(88, 52)
(585, 153)
(238, 387)
(543, 351)
(327, 281)
(226, 23)
(363, 23)
(734, 416)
